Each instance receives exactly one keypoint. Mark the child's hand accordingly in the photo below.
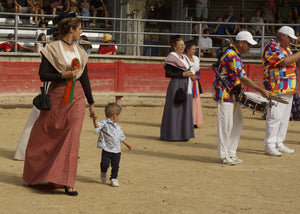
(129, 146)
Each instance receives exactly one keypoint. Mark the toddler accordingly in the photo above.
(110, 138)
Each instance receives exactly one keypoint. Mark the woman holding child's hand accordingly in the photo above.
(52, 151)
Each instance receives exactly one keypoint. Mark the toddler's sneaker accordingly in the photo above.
(103, 177)
(114, 182)
(285, 149)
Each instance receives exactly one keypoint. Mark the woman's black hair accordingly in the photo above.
(189, 44)
(56, 20)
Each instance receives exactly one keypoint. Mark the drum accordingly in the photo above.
(254, 101)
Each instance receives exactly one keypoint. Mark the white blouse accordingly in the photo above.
(68, 55)
(195, 66)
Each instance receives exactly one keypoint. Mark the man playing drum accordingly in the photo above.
(230, 119)
(280, 77)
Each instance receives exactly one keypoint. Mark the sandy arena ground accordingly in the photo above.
(160, 177)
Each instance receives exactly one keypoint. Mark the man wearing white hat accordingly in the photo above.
(280, 78)
(229, 117)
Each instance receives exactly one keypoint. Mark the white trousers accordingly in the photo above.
(230, 124)
(277, 121)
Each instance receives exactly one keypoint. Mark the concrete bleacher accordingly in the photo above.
(220, 7)
(26, 33)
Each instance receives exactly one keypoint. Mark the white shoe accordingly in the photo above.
(226, 161)
(285, 149)
(272, 151)
(114, 182)
(103, 177)
(20, 22)
(92, 25)
(32, 22)
(236, 159)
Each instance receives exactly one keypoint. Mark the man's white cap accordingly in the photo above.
(288, 31)
(245, 36)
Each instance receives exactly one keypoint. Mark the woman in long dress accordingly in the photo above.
(52, 150)
(177, 120)
(190, 50)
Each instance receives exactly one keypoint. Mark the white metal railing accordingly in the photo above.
(131, 34)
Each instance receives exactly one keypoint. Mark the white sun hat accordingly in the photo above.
(288, 31)
(245, 36)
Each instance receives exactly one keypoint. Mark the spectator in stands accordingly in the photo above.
(58, 7)
(40, 43)
(241, 26)
(230, 17)
(99, 6)
(297, 32)
(85, 11)
(109, 48)
(72, 6)
(21, 6)
(42, 29)
(256, 29)
(196, 30)
(3, 6)
(10, 45)
(206, 45)
(36, 7)
(296, 11)
(9, 6)
(220, 29)
(269, 12)
(201, 10)
(85, 43)
(284, 13)
(47, 6)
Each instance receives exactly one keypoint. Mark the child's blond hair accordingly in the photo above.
(111, 109)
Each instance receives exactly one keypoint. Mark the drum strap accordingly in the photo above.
(237, 89)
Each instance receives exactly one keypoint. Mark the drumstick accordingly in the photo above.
(296, 45)
(278, 99)
(220, 78)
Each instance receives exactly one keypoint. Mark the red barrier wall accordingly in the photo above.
(22, 77)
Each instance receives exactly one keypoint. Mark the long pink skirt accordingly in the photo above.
(197, 109)
(52, 150)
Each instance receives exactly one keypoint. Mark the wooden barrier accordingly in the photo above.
(119, 77)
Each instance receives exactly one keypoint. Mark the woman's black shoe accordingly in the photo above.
(71, 193)
(195, 126)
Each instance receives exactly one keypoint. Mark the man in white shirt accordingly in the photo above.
(206, 45)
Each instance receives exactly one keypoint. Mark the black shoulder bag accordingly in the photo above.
(42, 101)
